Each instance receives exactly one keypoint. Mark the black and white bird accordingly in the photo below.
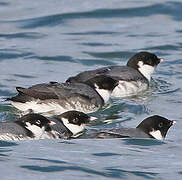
(35, 126)
(67, 125)
(134, 77)
(155, 127)
(55, 98)
(30, 126)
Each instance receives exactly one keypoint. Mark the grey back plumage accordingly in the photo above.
(59, 91)
(14, 131)
(124, 73)
(61, 130)
(116, 133)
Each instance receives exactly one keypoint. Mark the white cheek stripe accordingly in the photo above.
(146, 70)
(72, 127)
(156, 134)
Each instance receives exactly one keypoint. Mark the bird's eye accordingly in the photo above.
(76, 120)
(160, 125)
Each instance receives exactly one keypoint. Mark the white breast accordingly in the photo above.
(105, 94)
(125, 88)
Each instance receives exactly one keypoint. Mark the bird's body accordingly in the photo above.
(134, 77)
(34, 126)
(155, 127)
(30, 126)
(55, 98)
(68, 125)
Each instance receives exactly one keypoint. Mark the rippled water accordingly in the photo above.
(50, 40)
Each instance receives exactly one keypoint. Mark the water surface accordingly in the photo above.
(51, 40)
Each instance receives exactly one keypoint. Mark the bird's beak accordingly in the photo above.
(173, 122)
(161, 60)
(92, 118)
(52, 123)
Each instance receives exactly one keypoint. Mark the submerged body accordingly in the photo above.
(115, 133)
(155, 127)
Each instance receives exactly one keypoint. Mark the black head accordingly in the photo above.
(35, 119)
(75, 117)
(102, 82)
(156, 126)
(145, 57)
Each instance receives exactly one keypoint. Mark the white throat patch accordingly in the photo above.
(105, 94)
(146, 70)
(36, 130)
(75, 129)
(156, 134)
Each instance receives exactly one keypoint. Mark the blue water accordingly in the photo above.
(50, 40)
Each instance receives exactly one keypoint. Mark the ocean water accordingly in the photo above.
(50, 40)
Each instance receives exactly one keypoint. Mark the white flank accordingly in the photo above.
(146, 70)
(50, 135)
(13, 137)
(105, 94)
(156, 134)
(47, 108)
(6, 137)
(36, 130)
(75, 129)
(125, 88)
(53, 108)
